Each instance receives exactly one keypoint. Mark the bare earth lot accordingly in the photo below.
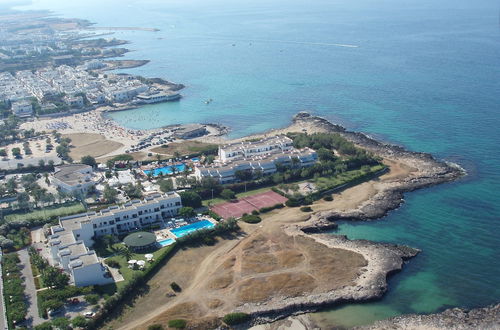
(91, 144)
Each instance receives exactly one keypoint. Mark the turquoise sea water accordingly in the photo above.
(425, 74)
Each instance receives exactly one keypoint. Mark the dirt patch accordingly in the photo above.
(264, 288)
(221, 282)
(289, 258)
(88, 144)
(258, 263)
(184, 148)
(214, 303)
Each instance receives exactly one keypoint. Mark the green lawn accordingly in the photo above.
(324, 183)
(127, 272)
(47, 213)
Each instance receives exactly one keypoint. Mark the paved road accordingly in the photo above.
(3, 321)
(32, 317)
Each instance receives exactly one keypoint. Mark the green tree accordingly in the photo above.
(190, 198)
(79, 322)
(110, 194)
(16, 152)
(126, 253)
(47, 325)
(3, 153)
(60, 323)
(228, 194)
(54, 277)
(23, 200)
(166, 185)
(243, 175)
(187, 212)
(88, 160)
(92, 299)
(156, 327)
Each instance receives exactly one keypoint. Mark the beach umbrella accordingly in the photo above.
(141, 263)
(148, 256)
(131, 262)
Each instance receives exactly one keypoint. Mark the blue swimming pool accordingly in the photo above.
(184, 230)
(165, 170)
(166, 242)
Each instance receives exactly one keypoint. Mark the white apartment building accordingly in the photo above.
(246, 149)
(69, 241)
(22, 109)
(74, 101)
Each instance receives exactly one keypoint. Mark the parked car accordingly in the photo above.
(89, 315)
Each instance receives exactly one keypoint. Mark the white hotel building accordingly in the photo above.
(263, 156)
(70, 241)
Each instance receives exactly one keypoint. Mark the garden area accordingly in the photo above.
(14, 297)
(47, 213)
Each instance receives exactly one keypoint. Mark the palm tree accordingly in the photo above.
(125, 252)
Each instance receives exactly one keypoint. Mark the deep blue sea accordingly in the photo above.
(424, 74)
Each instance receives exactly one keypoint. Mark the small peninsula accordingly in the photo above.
(286, 265)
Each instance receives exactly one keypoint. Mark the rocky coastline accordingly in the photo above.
(429, 172)
(455, 318)
(383, 260)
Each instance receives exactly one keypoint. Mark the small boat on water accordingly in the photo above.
(208, 101)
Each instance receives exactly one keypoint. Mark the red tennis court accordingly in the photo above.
(248, 204)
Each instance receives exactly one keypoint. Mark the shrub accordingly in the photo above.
(177, 324)
(175, 287)
(255, 212)
(270, 208)
(112, 263)
(156, 327)
(328, 198)
(306, 209)
(79, 322)
(251, 218)
(228, 194)
(292, 203)
(235, 318)
(92, 299)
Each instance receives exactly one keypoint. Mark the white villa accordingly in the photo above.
(70, 241)
(72, 178)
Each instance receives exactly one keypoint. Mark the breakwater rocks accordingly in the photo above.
(455, 318)
(428, 171)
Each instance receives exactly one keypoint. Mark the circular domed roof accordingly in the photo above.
(139, 239)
